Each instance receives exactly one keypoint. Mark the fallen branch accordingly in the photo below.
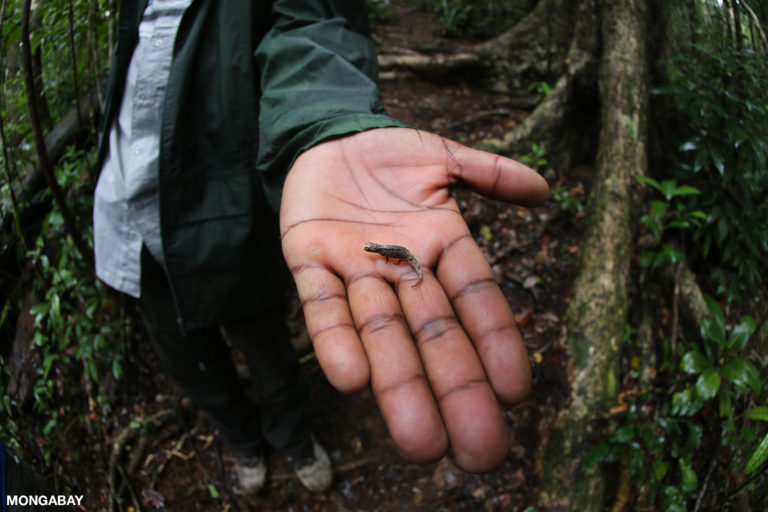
(68, 131)
(433, 66)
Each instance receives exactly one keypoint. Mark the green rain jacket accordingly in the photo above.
(252, 85)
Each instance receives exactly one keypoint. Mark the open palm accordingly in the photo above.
(438, 355)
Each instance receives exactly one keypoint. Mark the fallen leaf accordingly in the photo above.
(549, 317)
(530, 282)
(523, 318)
(446, 475)
(155, 498)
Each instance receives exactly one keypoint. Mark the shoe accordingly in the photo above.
(316, 472)
(251, 473)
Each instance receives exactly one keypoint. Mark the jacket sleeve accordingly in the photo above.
(318, 80)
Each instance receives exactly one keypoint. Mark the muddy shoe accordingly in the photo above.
(315, 472)
(251, 473)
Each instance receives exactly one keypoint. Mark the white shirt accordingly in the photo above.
(126, 212)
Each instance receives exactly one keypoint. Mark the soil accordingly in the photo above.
(184, 466)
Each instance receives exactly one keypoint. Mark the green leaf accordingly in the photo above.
(56, 305)
(648, 259)
(659, 208)
(214, 492)
(48, 364)
(759, 413)
(91, 369)
(717, 312)
(726, 405)
(699, 214)
(660, 468)
(684, 403)
(708, 383)
(624, 434)
(695, 433)
(635, 459)
(650, 181)
(741, 333)
(671, 254)
(694, 362)
(741, 373)
(668, 188)
(699, 160)
(686, 190)
(757, 458)
(39, 309)
(117, 369)
(598, 454)
(714, 328)
(690, 481)
(688, 146)
(722, 230)
(717, 160)
(679, 223)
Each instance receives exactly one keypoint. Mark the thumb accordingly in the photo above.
(496, 176)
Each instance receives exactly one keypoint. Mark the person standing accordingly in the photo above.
(221, 113)
(182, 216)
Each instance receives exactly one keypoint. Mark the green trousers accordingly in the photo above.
(200, 362)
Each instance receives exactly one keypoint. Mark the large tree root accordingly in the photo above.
(545, 124)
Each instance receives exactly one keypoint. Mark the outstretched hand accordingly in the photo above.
(438, 355)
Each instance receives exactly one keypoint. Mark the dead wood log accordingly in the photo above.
(435, 67)
(598, 307)
(67, 132)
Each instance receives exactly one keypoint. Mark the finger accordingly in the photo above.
(468, 406)
(496, 176)
(331, 328)
(483, 311)
(397, 376)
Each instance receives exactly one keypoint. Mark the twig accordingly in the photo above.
(130, 432)
(42, 153)
(127, 483)
(744, 484)
(676, 308)
(707, 478)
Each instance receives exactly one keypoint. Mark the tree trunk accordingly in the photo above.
(598, 307)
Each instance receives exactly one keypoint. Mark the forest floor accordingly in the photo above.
(184, 466)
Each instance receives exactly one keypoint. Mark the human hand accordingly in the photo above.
(437, 355)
